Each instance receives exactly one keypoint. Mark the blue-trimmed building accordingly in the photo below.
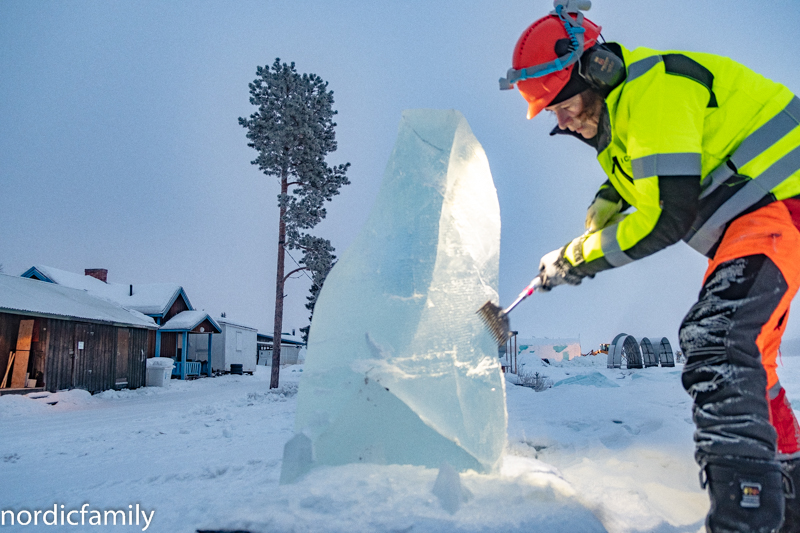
(166, 303)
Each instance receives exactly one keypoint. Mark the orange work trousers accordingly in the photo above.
(772, 231)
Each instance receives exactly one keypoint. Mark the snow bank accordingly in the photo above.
(527, 495)
(17, 406)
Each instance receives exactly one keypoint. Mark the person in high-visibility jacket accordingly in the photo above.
(706, 151)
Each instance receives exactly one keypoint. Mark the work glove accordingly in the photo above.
(554, 269)
(601, 214)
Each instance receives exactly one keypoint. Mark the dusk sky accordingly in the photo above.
(120, 146)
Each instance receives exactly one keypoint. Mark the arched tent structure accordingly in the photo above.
(632, 353)
(615, 352)
(664, 352)
(624, 345)
(649, 353)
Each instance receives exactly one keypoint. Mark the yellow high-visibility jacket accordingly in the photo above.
(691, 118)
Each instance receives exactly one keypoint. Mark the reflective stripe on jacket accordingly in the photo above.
(693, 114)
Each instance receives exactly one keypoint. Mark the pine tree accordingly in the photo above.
(319, 259)
(293, 131)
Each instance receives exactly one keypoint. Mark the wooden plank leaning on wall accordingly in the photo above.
(23, 352)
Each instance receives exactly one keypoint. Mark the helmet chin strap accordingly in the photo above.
(573, 27)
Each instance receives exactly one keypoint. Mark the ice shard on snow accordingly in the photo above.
(399, 367)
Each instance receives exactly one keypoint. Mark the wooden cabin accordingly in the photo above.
(166, 303)
(54, 338)
(160, 301)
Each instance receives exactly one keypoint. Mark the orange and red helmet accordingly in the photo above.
(547, 51)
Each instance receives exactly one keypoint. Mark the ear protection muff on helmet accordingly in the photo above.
(602, 69)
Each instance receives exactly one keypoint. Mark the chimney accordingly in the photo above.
(131, 293)
(99, 273)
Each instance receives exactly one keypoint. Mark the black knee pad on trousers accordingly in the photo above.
(730, 412)
(723, 371)
(746, 496)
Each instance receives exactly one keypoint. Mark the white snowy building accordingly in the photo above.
(292, 349)
(235, 345)
(550, 349)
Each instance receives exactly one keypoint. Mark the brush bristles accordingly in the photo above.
(496, 322)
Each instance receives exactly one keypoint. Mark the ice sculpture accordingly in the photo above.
(399, 367)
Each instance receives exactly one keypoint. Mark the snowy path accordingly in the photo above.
(614, 448)
(190, 451)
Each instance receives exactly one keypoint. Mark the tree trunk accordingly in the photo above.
(279, 283)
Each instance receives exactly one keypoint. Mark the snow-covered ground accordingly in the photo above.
(605, 449)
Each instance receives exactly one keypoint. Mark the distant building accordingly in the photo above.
(291, 349)
(550, 349)
(235, 345)
(55, 337)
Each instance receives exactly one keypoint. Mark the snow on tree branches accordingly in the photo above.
(293, 131)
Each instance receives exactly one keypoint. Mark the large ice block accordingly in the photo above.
(399, 367)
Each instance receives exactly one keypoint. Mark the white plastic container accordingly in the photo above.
(159, 371)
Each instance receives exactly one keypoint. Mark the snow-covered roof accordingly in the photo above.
(29, 296)
(147, 298)
(226, 320)
(285, 338)
(152, 298)
(188, 320)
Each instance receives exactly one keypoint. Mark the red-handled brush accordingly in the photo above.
(496, 319)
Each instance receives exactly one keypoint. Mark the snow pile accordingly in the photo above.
(18, 406)
(399, 368)
(600, 360)
(593, 379)
(70, 399)
(526, 496)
